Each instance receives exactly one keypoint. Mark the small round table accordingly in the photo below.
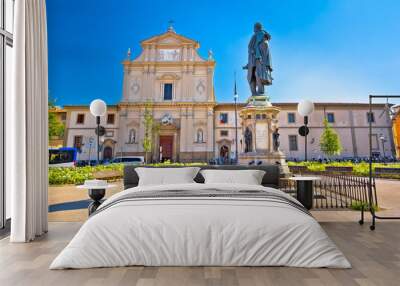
(305, 190)
(96, 193)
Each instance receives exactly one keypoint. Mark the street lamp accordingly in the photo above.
(305, 108)
(91, 140)
(98, 108)
(383, 140)
(236, 97)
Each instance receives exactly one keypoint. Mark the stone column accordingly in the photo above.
(184, 94)
(184, 126)
(156, 148)
(125, 85)
(210, 132)
(254, 135)
(184, 53)
(269, 134)
(153, 53)
(145, 84)
(174, 148)
(152, 79)
(190, 54)
(146, 53)
(210, 76)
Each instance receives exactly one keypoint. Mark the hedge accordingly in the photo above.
(359, 169)
(78, 175)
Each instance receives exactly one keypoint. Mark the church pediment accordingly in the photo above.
(170, 39)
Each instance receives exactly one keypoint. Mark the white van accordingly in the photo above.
(129, 160)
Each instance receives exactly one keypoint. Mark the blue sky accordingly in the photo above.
(331, 51)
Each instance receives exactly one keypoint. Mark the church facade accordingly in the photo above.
(176, 85)
(172, 82)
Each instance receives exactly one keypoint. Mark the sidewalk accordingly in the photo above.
(388, 192)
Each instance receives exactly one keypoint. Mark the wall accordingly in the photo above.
(350, 123)
(192, 99)
(87, 130)
(396, 130)
(229, 140)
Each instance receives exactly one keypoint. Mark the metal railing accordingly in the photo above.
(336, 190)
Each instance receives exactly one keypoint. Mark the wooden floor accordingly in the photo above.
(375, 257)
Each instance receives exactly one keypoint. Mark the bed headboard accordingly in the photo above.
(270, 179)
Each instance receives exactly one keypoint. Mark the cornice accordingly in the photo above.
(268, 109)
(166, 104)
(128, 63)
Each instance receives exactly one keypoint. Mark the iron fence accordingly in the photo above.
(336, 190)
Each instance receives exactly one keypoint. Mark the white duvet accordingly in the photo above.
(200, 231)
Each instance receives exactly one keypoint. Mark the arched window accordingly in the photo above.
(132, 136)
(199, 136)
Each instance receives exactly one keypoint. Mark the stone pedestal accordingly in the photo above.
(259, 120)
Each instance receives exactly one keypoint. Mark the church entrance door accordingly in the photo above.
(107, 153)
(166, 144)
(224, 154)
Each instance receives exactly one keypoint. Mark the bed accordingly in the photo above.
(201, 224)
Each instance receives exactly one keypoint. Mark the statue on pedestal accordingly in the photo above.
(275, 140)
(260, 131)
(259, 66)
(248, 141)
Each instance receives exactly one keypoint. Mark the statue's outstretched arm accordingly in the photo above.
(267, 35)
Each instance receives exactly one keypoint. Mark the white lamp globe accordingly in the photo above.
(305, 108)
(98, 107)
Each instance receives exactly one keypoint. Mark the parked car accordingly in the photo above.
(129, 160)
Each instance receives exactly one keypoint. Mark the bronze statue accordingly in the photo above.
(259, 66)
(248, 141)
(275, 140)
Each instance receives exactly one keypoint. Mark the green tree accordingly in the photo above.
(56, 128)
(150, 129)
(330, 141)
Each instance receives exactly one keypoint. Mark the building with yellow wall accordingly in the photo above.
(396, 130)
(61, 116)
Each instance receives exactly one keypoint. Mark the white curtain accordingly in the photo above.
(26, 117)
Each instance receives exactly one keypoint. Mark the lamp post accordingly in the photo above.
(236, 97)
(91, 140)
(98, 108)
(305, 108)
(383, 140)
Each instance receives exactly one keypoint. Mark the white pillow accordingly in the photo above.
(248, 177)
(166, 176)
